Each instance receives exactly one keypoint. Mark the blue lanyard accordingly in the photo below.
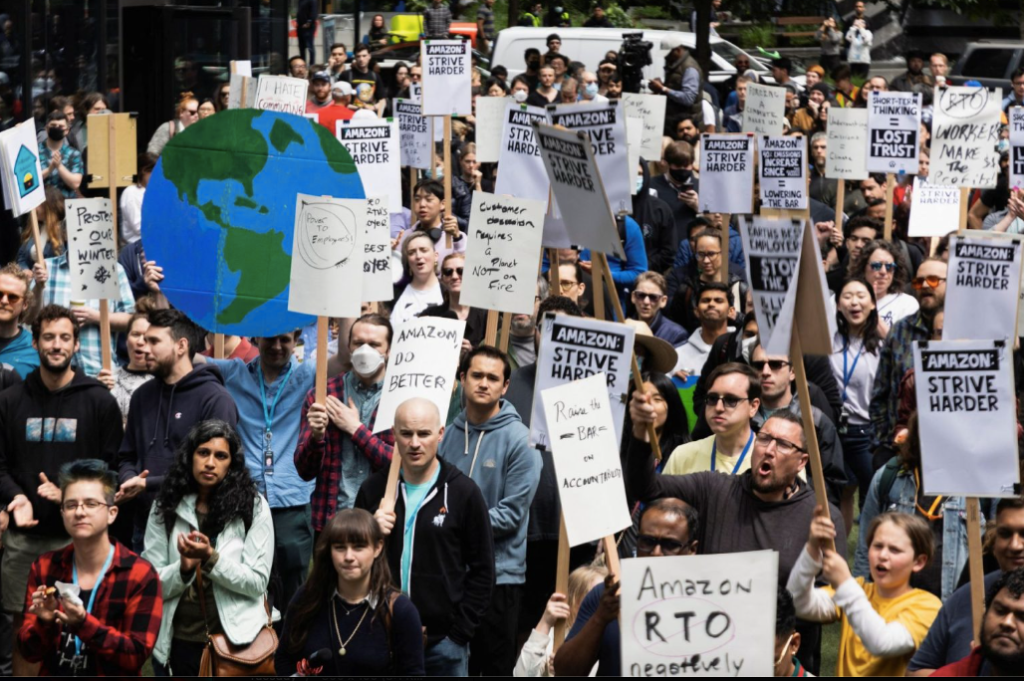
(95, 588)
(847, 377)
(268, 414)
(714, 451)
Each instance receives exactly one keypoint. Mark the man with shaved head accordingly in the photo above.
(438, 534)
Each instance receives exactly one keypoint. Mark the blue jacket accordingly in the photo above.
(20, 355)
(684, 256)
(497, 456)
(625, 273)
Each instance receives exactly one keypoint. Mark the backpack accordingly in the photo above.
(889, 474)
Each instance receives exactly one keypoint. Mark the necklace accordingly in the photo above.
(337, 632)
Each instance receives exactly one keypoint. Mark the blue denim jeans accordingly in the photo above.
(447, 658)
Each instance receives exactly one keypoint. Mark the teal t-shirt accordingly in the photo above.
(414, 496)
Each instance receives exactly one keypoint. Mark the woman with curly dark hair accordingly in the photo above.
(209, 517)
(350, 606)
(883, 266)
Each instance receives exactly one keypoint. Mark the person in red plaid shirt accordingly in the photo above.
(337, 446)
(110, 626)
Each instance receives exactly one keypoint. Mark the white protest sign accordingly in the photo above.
(982, 288)
(968, 421)
(894, 122)
(377, 285)
(281, 93)
(765, 109)
(605, 125)
(783, 171)
(22, 173)
(240, 84)
(965, 137)
(490, 119)
(650, 108)
(699, 615)
(520, 166)
(374, 147)
(242, 67)
(92, 250)
(414, 134)
(847, 144)
(327, 259)
(727, 174)
(555, 233)
(572, 170)
(447, 77)
(585, 451)
(1016, 147)
(572, 348)
(634, 133)
(934, 209)
(423, 362)
(772, 249)
(501, 258)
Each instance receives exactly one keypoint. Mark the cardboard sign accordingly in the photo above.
(605, 126)
(727, 173)
(374, 147)
(521, 168)
(585, 451)
(982, 289)
(572, 348)
(783, 171)
(1016, 147)
(423, 363)
(281, 93)
(634, 134)
(934, 209)
(490, 119)
(968, 421)
(699, 615)
(847, 144)
(501, 257)
(377, 284)
(572, 170)
(894, 122)
(22, 173)
(92, 249)
(327, 256)
(414, 134)
(765, 110)
(447, 77)
(126, 166)
(650, 108)
(965, 135)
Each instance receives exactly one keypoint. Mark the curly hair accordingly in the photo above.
(900, 278)
(235, 495)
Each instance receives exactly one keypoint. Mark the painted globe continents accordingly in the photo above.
(219, 215)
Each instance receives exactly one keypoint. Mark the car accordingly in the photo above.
(988, 62)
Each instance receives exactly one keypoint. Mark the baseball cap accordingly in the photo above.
(321, 75)
(342, 87)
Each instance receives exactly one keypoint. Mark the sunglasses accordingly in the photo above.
(12, 298)
(192, 112)
(449, 271)
(711, 401)
(670, 547)
(652, 297)
(877, 266)
(931, 281)
(773, 364)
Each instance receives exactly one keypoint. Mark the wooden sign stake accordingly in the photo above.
(724, 272)
(33, 223)
(561, 578)
(218, 346)
(322, 324)
(840, 200)
(491, 334)
(597, 279)
(890, 187)
(112, 181)
(506, 323)
(965, 195)
(977, 570)
(447, 174)
(388, 502)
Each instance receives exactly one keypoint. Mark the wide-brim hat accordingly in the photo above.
(661, 356)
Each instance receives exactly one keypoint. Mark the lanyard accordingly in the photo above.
(268, 414)
(847, 377)
(714, 451)
(95, 588)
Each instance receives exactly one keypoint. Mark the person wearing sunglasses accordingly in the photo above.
(882, 265)
(452, 269)
(668, 527)
(16, 300)
(187, 113)
(649, 300)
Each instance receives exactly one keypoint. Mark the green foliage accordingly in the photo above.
(648, 12)
(416, 6)
(805, 41)
(757, 35)
(617, 15)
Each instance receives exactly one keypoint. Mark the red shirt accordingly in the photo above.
(968, 666)
(330, 115)
(244, 351)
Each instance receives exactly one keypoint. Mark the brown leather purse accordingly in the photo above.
(221, 657)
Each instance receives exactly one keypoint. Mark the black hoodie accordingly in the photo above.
(657, 225)
(41, 430)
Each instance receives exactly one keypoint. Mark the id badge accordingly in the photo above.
(268, 462)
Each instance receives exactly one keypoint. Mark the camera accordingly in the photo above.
(634, 55)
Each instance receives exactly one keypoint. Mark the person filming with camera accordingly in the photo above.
(682, 86)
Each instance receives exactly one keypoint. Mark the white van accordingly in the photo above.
(589, 45)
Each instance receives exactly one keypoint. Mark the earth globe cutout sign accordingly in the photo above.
(219, 215)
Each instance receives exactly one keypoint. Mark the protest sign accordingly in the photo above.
(414, 134)
(92, 249)
(490, 118)
(699, 615)
(982, 288)
(576, 183)
(241, 92)
(555, 233)
(605, 126)
(377, 284)
(765, 109)
(634, 133)
(22, 169)
(967, 418)
(281, 93)
(1016, 147)
(521, 167)
(934, 209)
(650, 108)
(772, 250)
(424, 361)
(447, 79)
(572, 348)
(501, 258)
(585, 451)
(374, 147)
(727, 173)
(965, 137)
(847, 144)
(894, 122)
(327, 262)
(783, 171)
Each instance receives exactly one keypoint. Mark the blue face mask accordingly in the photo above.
(590, 90)
(639, 183)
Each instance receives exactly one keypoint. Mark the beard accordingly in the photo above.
(59, 367)
(160, 369)
(774, 484)
(1003, 662)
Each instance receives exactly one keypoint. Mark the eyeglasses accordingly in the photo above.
(652, 297)
(711, 401)
(773, 364)
(566, 285)
(877, 266)
(12, 298)
(931, 281)
(708, 255)
(192, 112)
(449, 271)
(670, 547)
(89, 504)
(781, 446)
(415, 76)
(225, 94)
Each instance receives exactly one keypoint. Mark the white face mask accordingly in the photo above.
(639, 183)
(520, 96)
(366, 361)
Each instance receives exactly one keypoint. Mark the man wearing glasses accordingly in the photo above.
(16, 349)
(649, 299)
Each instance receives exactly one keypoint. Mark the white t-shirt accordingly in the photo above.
(693, 353)
(412, 302)
(895, 306)
(861, 366)
(131, 212)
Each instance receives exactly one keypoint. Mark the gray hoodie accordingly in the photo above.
(497, 456)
